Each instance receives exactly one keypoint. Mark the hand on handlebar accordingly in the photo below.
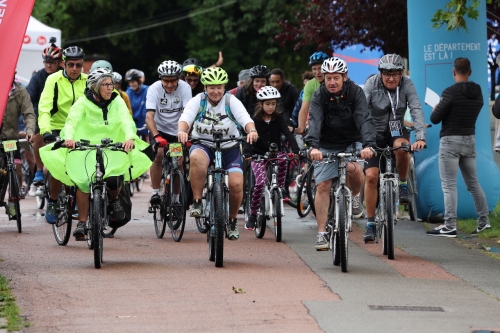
(316, 155)
(68, 143)
(418, 145)
(252, 137)
(366, 153)
(160, 141)
(182, 137)
(128, 145)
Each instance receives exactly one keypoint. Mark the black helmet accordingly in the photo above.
(73, 53)
(192, 61)
(260, 71)
(133, 74)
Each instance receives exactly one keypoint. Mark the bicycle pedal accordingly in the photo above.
(370, 242)
(81, 239)
(324, 249)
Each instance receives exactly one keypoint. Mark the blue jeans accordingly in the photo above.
(460, 151)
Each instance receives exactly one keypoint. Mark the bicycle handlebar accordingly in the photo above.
(217, 140)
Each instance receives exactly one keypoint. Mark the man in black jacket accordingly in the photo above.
(457, 111)
(289, 93)
(339, 120)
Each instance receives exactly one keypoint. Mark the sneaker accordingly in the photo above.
(232, 230)
(250, 224)
(155, 199)
(357, 208)
(117, 211)
(80, 230)
(39, 191)
(369, 236)
(241, 210)
(286, 196)
(51, 213)
(322, 242)
(196, 209)
(32, 191)
(404, 194)
(443, 232)
(10, 210)
(479, 229)
(38, 180)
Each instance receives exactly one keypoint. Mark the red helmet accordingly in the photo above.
(52, 53)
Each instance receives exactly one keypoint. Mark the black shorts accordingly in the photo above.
(387, 141)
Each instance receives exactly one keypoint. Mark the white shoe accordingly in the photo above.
(39, 191)
(32, 191)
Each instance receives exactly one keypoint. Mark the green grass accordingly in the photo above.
(9, 309)
(467, 226)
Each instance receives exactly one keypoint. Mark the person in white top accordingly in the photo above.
(214, 102)
(165, 102)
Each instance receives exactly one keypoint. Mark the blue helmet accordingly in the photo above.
(317, 58)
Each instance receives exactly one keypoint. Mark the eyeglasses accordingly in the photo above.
(393, 75)
(72, 64)
(173, 81)
(50, 63)
(188, 80)
(107, 85)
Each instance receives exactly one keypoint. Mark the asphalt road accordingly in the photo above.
(148, 284)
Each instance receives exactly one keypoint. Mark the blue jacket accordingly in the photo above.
(138, 104)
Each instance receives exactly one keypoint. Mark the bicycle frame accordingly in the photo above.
(337, 186)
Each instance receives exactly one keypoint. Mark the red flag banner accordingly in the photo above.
(14, 18)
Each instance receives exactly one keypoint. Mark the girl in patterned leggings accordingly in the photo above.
(270, 126)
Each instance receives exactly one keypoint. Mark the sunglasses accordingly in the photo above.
(192, 70)
(72, 64)
(173, 81)
(188, 80)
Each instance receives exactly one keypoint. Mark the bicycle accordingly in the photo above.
(98, 212)
(339, 222)
(388, 198)
(271, 203)
(304, 204)
(8, 176)
(216, 213)
(172, 209)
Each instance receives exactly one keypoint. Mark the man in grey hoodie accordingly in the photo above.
(458, 111)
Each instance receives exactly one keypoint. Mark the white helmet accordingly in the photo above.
(117, 77)
(391, 62)
(268, 92)
(334, 65)
(96, 74)
(169, 68)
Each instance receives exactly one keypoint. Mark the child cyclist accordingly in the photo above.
(270, 126)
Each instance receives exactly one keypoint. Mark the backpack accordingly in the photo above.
(203, 109)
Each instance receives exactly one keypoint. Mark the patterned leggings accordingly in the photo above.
(259, 171)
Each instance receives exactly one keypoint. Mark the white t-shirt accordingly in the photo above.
(202, 129)
(168, 107)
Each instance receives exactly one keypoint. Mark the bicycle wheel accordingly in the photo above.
(219, 222)
(139, 182)
(62, 227)
(389, 211)
(211, 231)
(177, 216)
(250, 184)
(343, 231)
(311, 188)
(303, 205)
(260, 223)
(293, 171)
(14, 196)
(276, 197)
(96, 227)
(131, 187)
(412, 189)
(200, 222)
(41, 199)
(159, 212)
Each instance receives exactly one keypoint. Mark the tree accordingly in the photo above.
(377, 24)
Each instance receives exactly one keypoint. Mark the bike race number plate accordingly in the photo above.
(10, 145)
(175, 149)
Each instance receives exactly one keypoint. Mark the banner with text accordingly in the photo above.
(432, 53)
(14, 17)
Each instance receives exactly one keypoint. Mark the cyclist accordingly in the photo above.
(270, 125)
(243, 78)
(388, 94)
(315, 61)
(191, 73)
(136, 92)
(306, 77)
(339, 120)
(201, 155)
(165, 101)
(51, 61)
(62, 89)
(117, 79)
(18, 104)
(99, 114)
(259, 77)
(289, 93)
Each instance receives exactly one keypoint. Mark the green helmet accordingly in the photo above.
(214, 76)
(101, 64)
